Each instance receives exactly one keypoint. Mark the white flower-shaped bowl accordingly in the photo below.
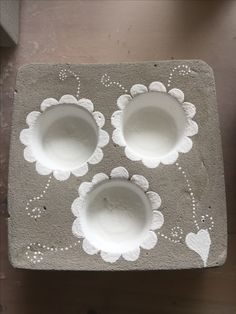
(117, 215)
(64, 137)
(154, 125)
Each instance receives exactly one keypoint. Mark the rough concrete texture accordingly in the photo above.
(203, 165)
(9, 22)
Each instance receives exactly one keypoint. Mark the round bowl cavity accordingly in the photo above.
(64, 137)
(153, 124)
(117, 216)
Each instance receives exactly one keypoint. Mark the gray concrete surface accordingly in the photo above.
(203, 164)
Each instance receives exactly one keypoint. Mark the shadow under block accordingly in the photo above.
(185, 189)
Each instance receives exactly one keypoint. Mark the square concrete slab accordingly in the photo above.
(116, 167)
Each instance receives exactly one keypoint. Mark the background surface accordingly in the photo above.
(120, 31)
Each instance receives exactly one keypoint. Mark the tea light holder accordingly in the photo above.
(116, 167)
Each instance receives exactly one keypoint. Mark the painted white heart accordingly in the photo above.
(200, 243)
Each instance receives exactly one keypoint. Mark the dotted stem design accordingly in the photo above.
(176, 235)
(193, 201)
(63, 74)
(35, 253)
(37, 211)
(210, 218)
(106, 81)
(182, 70)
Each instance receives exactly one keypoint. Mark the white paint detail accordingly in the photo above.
(138, 89)
(132, 256)
(157, 221)
(177, 93)
(123, 101)
(76, 229)
(86, 103)
(67, 99)
(140, 181)
(106, 81)
(150, 241)
(110, 258)
(48, 102)
(89, 248)
(154, 199)
(99, 118)
(32, 117)
(157, 87)
(200, 243)
(190, 109)
(119, 172)
(77, 204)
(99, 177)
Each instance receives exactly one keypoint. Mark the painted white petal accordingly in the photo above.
(132, 156)
(132, 255)
(123, 101)
(61, 175)
(189, 109)
(77, 205)
(25, 136)
(140, 181)
(192, 128)
(157, 87)
(80, 171)
(42, 170)
(118, 138)
(170, 158)
(151, 163)
(154, 199)
(110, 258)
(86, 103)
(138, 89)
(48, 102)
(84, 188)
(177, 93)
(150, 241)
(157, 220)
(99, 177)
(68, 99)
(76, 228)
(116, 119)
(32, 117)
(185, 145)
(103, 138)
(28, 154)
(99, 118)
(96, 157)
(119, 172)
(89, 248)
